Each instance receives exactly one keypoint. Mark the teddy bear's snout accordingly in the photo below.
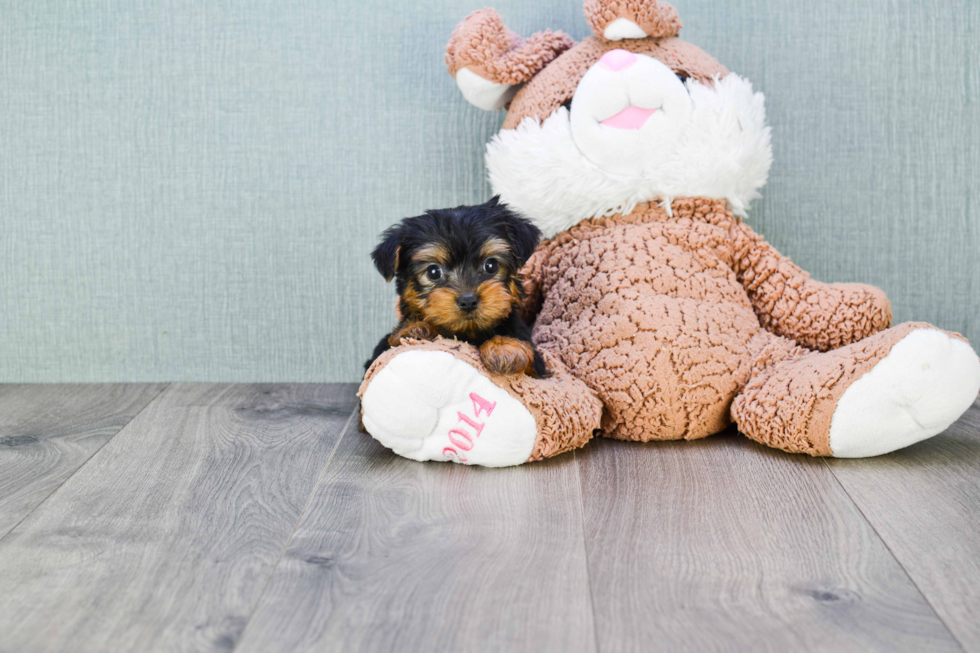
(618, 60)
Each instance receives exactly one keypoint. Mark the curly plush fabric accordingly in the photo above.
(566, 411)
(789, 303)
(790, 406)
(651, 311)
(556, 84)
(482, 43)
(657, 19)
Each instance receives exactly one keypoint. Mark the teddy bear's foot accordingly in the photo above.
(438, 401)
(924, 384)
(429, 405)
(872, 397)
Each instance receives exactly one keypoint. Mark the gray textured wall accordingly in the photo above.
(189, 190)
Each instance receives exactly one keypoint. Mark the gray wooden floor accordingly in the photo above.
(258, 519)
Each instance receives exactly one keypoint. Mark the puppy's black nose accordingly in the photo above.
(467, 302)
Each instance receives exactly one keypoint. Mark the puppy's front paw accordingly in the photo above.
(412, 331)
(507, 356)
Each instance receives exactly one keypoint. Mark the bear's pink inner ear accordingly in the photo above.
(615, 20)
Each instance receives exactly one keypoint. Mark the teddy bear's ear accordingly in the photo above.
(489, 61)
(615, 20)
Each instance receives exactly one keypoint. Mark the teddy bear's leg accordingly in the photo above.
(872, 397)
(436, 401)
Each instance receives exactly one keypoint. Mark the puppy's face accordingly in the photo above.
(458, 269)
(462, 286)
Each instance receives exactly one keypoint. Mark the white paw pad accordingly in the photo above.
(924, 384)
(428, 405)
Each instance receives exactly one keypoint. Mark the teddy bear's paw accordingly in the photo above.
(924, 384)
(429, 405)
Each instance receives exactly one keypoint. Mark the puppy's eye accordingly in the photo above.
(433, 272)
(490, 266)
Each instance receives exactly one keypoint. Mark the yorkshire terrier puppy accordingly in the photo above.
(457, 272)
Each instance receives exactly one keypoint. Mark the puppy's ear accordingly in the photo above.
(521, 234)
(385, 255)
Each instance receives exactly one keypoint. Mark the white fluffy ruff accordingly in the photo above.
(725, 153)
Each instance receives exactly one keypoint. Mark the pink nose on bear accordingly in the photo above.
(616, 60)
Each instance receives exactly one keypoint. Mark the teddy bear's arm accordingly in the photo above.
(789, 303)
(533, 273)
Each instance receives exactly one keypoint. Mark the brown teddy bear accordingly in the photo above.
(660, 313)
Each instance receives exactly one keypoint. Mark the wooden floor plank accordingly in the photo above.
(165, 540)
(48, 431)
(723, 545)
(924, 502)
(395, 555)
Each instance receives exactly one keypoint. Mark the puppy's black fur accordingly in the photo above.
(457, 273)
